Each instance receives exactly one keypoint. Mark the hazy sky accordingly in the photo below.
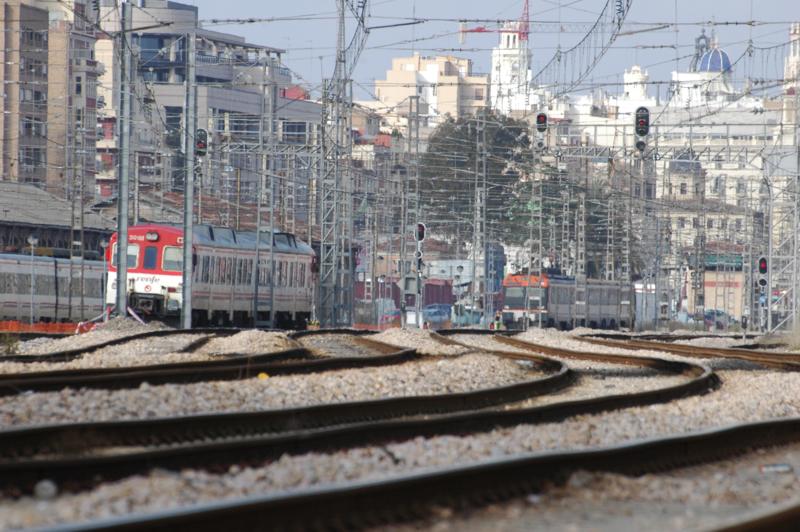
(310, 40)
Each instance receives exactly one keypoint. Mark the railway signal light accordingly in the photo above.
(419, 232)
(642, 123)
(762, 265)
(201, 142)
(541, 122)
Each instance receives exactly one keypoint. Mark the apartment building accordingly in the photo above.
(47, 118)
(446, 85)
(23, 107)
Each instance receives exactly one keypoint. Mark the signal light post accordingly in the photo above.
(764, 288)
(419, 236)
(541, 129)
(642, 127)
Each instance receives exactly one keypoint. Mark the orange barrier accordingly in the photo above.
(13, 326)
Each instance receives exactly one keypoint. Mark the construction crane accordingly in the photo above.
(523, 27)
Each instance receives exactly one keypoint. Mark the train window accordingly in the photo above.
(291, 274)
(281, 239)
(172, 261)
(150, 258)
(133, 256)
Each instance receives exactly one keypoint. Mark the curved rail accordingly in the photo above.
(78, 471)
(786, 361)
(233, 367)
(67, 355)
(359, 504)
(78, 437)
(287, 362)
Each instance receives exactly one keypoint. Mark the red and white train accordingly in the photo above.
(223, 266)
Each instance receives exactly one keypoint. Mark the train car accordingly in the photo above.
(552, 302)
(223, 286)
(515, 288)
(63, 290)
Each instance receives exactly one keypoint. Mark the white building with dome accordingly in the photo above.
(708, 80)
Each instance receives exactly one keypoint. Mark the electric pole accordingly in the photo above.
(190, 127)
(125, 90)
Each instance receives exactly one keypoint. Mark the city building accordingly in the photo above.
(445, 85)
(49, 76)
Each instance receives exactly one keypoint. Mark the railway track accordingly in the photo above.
(232, 367)
(368, 503)
(341, 343)
(785, 361)
(67, 355)
(77, 456)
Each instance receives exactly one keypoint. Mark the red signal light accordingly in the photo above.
(762, 265)
(541, 122)
(642, 121)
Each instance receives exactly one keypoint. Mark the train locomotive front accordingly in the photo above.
(225, 278)
(155, 266)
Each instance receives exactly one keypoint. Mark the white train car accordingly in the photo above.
(223, 285)
(55, 298)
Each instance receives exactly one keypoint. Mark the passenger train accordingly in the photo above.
(551, 301)
(222, 282)
(57, 287)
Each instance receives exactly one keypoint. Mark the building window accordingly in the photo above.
(479, 93)
(695, 223)
(683, 189)
(739, 225)
(294, 132)
(741, 187)
(681, 223)
(723, 224)
(78, 85)
(710, 223)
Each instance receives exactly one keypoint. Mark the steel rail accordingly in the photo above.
(67, 355)
(234, 366)
(368, 503)
(79, 471)
(665, 337)
(287, 362)
(78, 437)
(785, 361)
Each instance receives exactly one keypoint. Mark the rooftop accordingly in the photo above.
(23, 204)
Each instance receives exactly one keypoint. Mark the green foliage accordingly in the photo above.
(448, 172)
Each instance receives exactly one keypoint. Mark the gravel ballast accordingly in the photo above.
(250, 342)
(418, 339)
(693, 498)
(104, 332)
(745, 396)
(142, 352)
(427, 377)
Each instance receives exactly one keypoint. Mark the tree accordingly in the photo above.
(448, 173)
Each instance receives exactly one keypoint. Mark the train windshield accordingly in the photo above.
(133, 255)
(514, 297)
(173, 259)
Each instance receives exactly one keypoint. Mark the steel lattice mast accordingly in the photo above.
(335, 184)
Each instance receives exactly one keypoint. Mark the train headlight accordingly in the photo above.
(151, 236)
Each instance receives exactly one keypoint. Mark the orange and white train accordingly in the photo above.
(551, 302)
(223, 286)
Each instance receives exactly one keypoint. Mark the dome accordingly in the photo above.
(714, 60)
